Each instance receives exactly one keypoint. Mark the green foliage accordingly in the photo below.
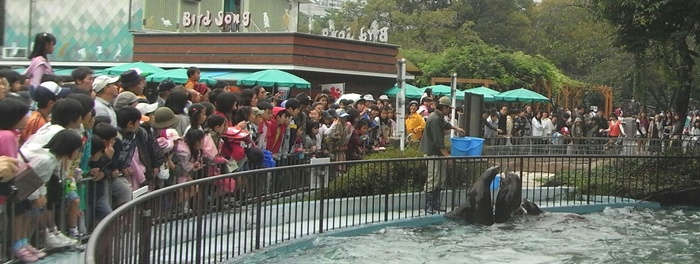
(509, 69)
(633, 178)
(397, 176)
(642, 24)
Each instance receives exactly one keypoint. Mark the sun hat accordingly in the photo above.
(130, 78)
(164, 118)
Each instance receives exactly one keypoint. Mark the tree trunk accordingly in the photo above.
(685, 79)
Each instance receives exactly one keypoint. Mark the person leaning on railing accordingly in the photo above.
(432, 145)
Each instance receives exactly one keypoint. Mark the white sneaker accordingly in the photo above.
(69, 241)
(53, 241)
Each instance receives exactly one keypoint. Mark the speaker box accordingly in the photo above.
(471, 120)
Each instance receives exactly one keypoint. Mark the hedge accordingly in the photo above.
(378, 177)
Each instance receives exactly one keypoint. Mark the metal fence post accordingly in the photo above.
(588, 185)
(200, 205)
(322, 202)
(145, 236)
(258, 209)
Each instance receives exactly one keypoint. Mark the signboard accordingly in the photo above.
(334, 89)
(373, 34)
(221, 20)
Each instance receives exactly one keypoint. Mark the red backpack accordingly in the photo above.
(236, 141)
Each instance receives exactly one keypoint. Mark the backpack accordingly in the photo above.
(235, 143)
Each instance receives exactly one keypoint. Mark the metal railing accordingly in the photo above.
(199, 222)
(590, 145)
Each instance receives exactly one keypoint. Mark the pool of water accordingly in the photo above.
(615, 235)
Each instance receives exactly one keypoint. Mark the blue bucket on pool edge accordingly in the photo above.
(467, 146)
(460, 146)
(496, 182)
(477, 147)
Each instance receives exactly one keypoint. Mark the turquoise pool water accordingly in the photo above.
(615, 235)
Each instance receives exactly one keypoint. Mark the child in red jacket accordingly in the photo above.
(276, 130)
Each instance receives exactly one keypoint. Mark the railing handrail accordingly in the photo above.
(103, 226)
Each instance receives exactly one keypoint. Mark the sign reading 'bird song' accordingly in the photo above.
(222, 19)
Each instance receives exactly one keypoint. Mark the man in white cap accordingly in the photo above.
(432, 145)
(106, 89)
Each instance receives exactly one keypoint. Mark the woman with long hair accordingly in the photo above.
(44, 44)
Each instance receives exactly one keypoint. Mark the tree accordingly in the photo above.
(640, 24)
(509, 70)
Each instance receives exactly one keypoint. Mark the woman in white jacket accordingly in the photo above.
(538, 129)
(52, 164)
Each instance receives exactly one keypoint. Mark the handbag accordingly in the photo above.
(26, 181)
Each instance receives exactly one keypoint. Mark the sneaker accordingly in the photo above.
(38, 253)
(53, 241)
(25, 256)
(69, 241)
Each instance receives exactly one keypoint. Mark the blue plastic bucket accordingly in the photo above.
(467, 146)
(477, 146)
(461, 146)
(496, 182)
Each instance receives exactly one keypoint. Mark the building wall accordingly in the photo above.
(96, 30)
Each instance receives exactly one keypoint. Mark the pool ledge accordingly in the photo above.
(301, 243)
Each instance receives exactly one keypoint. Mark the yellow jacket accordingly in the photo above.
(415, 124)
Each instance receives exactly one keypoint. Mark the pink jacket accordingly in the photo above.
(37, 68)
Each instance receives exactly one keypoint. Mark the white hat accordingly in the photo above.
(145, 108)
(102, 81)
(384, 97)
(368, 97)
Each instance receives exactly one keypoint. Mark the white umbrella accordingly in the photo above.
(351, 96)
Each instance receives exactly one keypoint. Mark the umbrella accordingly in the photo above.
(411, 91)
(177, 76)
(350, 96)
(521, 95)
(486, 92)
(146, 69)
(269, 78)
(439, 89)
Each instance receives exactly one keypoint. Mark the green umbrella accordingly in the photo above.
(177, 76)
(411, 91)
(439, 89)
(521, 95)
(486, 92)
(270, 78)
(146, 69)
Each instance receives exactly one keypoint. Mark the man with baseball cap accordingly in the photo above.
(106, 89)
(432, 145)
(45, 96)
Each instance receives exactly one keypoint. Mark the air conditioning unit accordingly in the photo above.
(14, 53)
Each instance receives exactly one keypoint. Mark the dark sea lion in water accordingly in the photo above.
(478, 208)
(508, 199)
(531, 208)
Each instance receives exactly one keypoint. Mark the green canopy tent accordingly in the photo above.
(486, 92)
(521, 95)
(231, 76)
(439, 89)
(270, 78)
(411, 91)
(177, 76)
(145, 68)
